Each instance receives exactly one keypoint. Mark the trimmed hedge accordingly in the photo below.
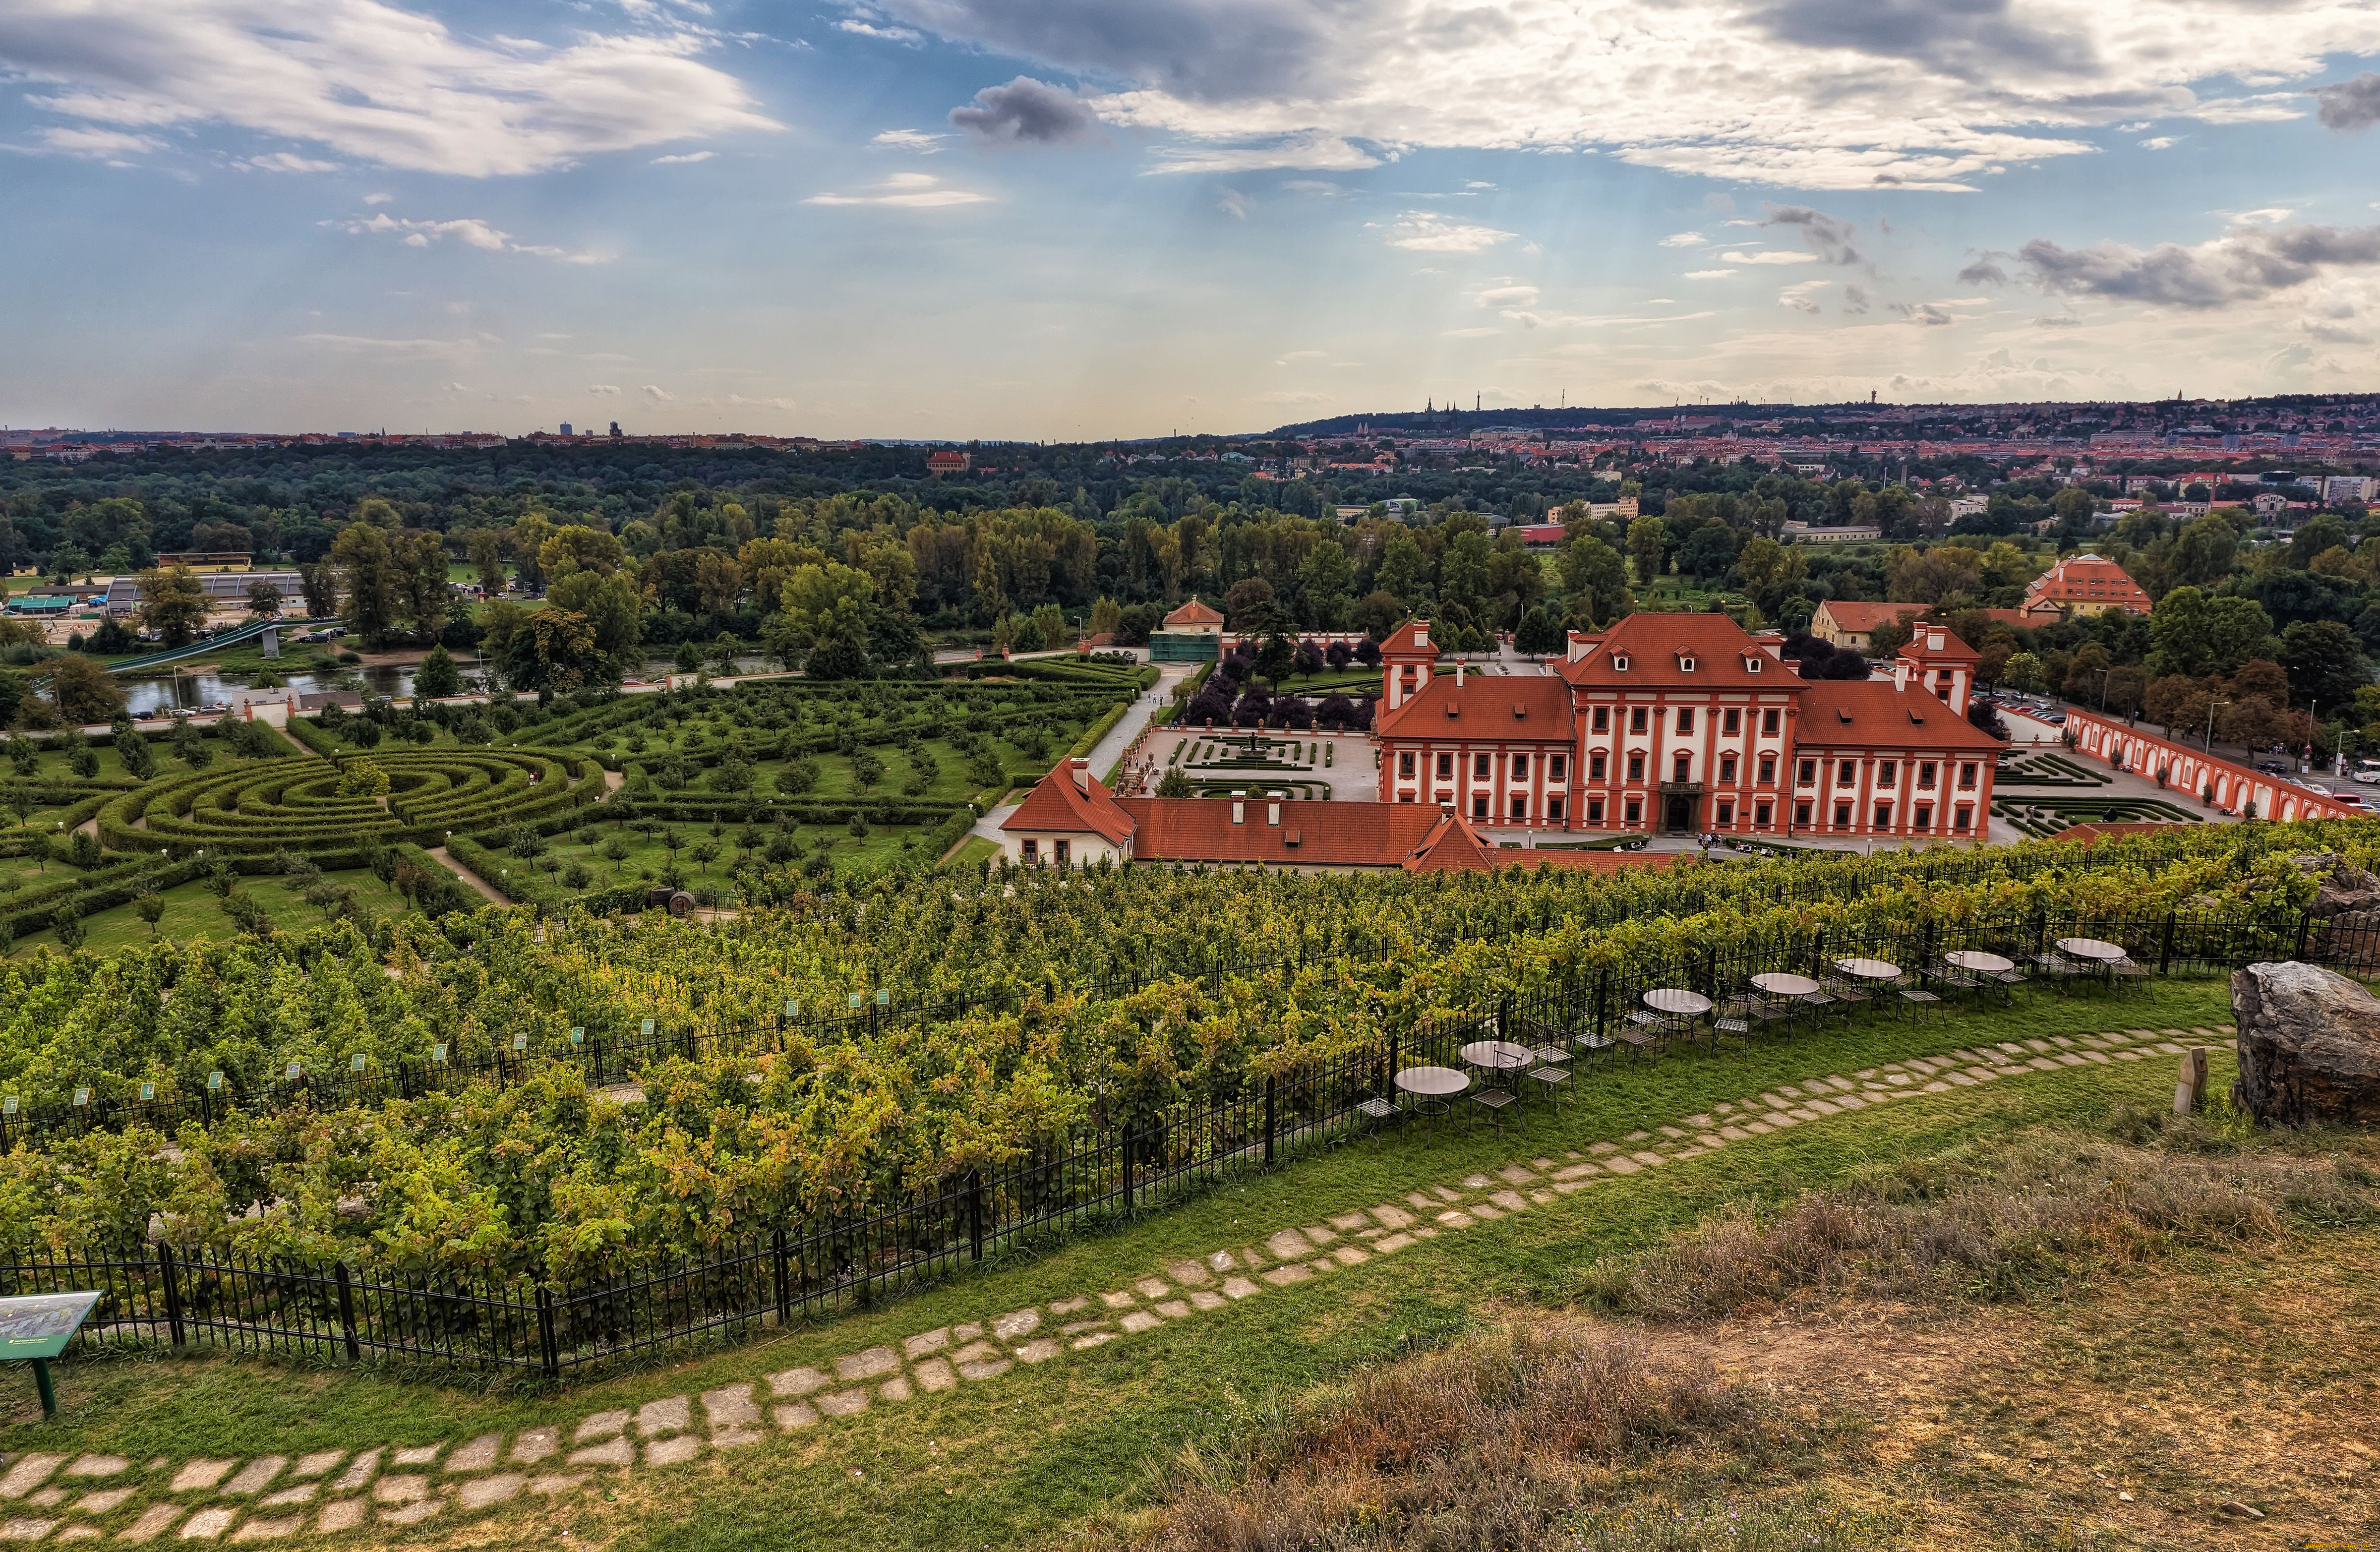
(525, 886)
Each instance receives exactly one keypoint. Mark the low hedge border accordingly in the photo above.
(525, 886)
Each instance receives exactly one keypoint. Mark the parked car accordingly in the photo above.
(2367, 770)
(2272, 768)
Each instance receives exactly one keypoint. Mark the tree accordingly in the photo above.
(1596, 580)
(1173, 783)
(368, 574)
(174, 604)
(1648, 546)
(151, 908)
(1986, 718)
(2195, 635)
(2326, 664)
(2024, 673)
(1274, 657)
(437, 676)
(1326, 579)
(1770, 573)
(423, 596)
(264, 597)
(609, 602)
(1541, 633)
(1403, 572)
(1710, 553)
(2176, 703)
(486, 547)
(2073, 506)
(82, 691)
(1376, 614)
(320, 584)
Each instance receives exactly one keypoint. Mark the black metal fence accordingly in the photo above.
(325, 1310)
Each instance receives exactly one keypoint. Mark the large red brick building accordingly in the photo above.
(1688, 724)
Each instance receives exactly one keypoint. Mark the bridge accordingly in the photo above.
(252, 632)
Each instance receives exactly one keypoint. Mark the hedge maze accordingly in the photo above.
(2040, 816)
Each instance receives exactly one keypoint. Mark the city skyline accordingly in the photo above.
(960, 218)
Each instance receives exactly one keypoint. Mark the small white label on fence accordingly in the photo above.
(520, 1042)
(438, 1051)
(83, 1097)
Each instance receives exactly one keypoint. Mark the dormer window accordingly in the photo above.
(1685, 664)
(1619, 663)
(1752, 665)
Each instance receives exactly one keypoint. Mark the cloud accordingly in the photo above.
(2161, 142)
(1478, 331)
(425, 348)
(1027, 112)
(1798, 295)
(1885, 94)
(906, 191)
(1855, 299)
(1684, 239)
(289, 161)
(1508, 296)
(1824, 235)
(1307, 152)
(2247, 263)
(2350, 105)
(378, 199)
(870, 29)
(1428, 232)
(106, 144)
(1770, 256)
(1925, 314)
(1985, 270)
(468, 231)
(657, 394)
(372, 81)
(611, 389)
(2058, 321)
(691, 156)
(910, 139)
(1709, 274)
(1234, 204)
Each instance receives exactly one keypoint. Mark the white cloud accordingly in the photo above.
(870, 29)
(372, 81)
(1682, 239)
(1311, 153)
(603, 388)
(1429, 232)
(468, 231)
(289, 161)
(690, 156)
(1289, 355)
(2161, 142)
(1799, 295)
(1770, 256)
(1807, 94)
(1707, 274)
(106, 144)
(1508, 296)
(378, 199)
(910, 139)
(905, 191)
(1234, 204)
(658, 395)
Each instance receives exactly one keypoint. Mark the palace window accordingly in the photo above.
(1553, 810)
(1846, 772)
(1801, 815)
(1595, 766)
(1555, 765)
(1760, 814)
(1965, 820)
(1595, 811)
(1887, 773)
(1685, 720)
(1682, 768)
(1064, 851)
(1446, 767)
(1967, 777)
(1884, 816)
(1921, 817)
(1406, 765)
(1926, 775)
(1519, 806)
(1767, 770)
(1730, 722)
(1603, 719)
(1726, 812)
(1842, 815)
(1807, 773)
(1519, 767)
(1634, 813)
(1636, 767)
(1726, 769)
(1032, 850)
(1636, 723)
(1479, 768)
(1479, 806)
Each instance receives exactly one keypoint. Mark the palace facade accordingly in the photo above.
(1688, 724)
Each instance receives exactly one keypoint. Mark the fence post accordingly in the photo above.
(2165, 947)
(1602, 998)
(784, 1269)
(1504, 1016)
(173, 1294)
(1270, 1093)
(549, 1352)
(975, 1211)
(347, 1313)
(2305, 920)
(1127, 1168)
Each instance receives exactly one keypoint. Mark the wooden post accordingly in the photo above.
(2189, 1092)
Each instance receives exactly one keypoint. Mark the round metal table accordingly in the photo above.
(2091, 948)
(1869, 969)
(1499, 1056)
(1779, 983)
(1676, 1000)
(1981, 963)
(1432, 1087)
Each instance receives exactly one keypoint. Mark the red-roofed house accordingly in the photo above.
(1842, 624)
(2084, 585)
(1685, 722)
(1069, 816)
(1192, 633)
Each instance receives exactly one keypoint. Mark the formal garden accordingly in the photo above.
(2041, 793)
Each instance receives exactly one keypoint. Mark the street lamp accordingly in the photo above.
(2212, 708)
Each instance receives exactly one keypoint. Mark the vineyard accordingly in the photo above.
(414, 1098)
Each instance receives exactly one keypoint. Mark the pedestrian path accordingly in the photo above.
(52, 1498)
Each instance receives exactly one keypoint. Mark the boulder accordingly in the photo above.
(2344, 891)
(2309, 1046)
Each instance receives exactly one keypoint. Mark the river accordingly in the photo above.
(196, 687)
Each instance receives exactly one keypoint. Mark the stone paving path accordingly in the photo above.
(56, 1498)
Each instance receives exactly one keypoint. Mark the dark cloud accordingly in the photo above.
(1975, 40)
(1824, 235)
(1027, 112)
(2350, 104)
(2244, 264)
(1855, 298)
(1925, 314)
(1205, 50)
(1985, 270)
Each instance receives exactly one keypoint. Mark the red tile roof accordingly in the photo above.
(1656, 646)
(1952, 650)
(1193, 613)
(2087, 579)
(1521, 707)
(1451, 846)
(1865, 617)
(1311, 835)
(1871, 714)
(1057, 804)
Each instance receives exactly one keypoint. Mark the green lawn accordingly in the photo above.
(193, 910)
(1043, 1449)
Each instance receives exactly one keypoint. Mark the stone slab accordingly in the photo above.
(198, 1475)
(929, 1341)
(318, 1463)
(1288, 1245)
(796, 1382)
(1200, 1298)
(895, 1389)
(207, 1524)
(675, 1451)
(1189, 1274)
(107, 1501)
(491, 1489)
(98, 1465)
(1456, 1217)
(412, 1513)
(867, 1364)
(1392, 1243)
(557, 1485)
(477, 1454)
(990, 1369)
(257, 1476)
(304, 1493)
(1347, 1255)
(419, 1455)
(735, 1439)
(617, 1451)
(670, 1414)
(1391, 1216)
(798, 1415)
(936, 1374)
(1041, 1348)
(401, 1489)
(31, 1471)
(1143, 1320)
(1016, 1325)
(535, 1444)
(1122, 1298)
(602, 1424)
(360, 1470)
(1238, 1288)
(1282, 1276)
(269, 1530)
(843, 1403)
(730, 1406)
(154, 1522)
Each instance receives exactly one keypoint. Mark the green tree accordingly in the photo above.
(151, 908)
(264, 597)
(2024, 673)
(1648, 546)
(437, 676)
(1404, 571)
(368, 574)
(486, 547)
(609, 602)
(2203, 551)
(2193, 635)
(1326, 581)
(174, 604)
(83, 691)
(1596, 580)
(2326, 664)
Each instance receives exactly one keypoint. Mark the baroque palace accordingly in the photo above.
(1678, 724)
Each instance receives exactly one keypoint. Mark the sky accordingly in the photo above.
(1079, 219)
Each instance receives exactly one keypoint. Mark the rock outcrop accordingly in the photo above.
(2344, 891)
(2309, 1046)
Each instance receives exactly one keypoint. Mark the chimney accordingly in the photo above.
(1933, 641)
(1239, 812)
(1081, 771)
(1459, 666)
(1901, 673)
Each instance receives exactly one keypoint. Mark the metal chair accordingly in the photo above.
(2129, 972)
(2059, 971)
(1734, 1015)
(1378, 1112)
(1591, 1044)
(1850, 994)
(1551, 1078)
(1918, 998)
(1493, 1101)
